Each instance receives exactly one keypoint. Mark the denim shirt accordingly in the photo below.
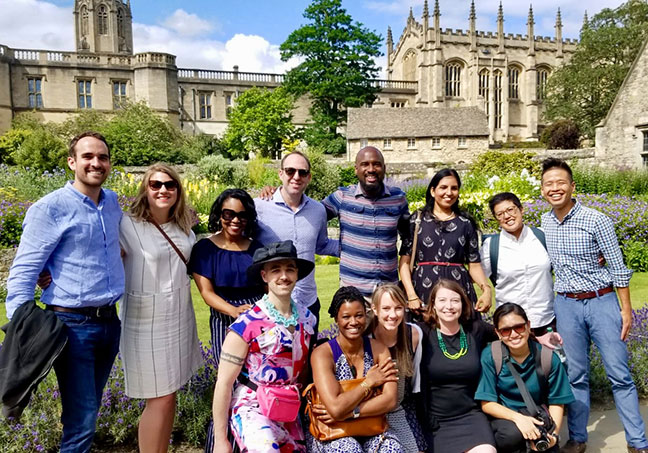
(75, 240)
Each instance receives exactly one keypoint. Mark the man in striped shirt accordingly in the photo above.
(586, 304)
(371, 214)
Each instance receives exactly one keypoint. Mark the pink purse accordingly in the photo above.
(279, 402)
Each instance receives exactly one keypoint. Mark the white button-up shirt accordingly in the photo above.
(523, 275)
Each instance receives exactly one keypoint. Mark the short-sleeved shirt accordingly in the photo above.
(368, 233)
(225, 269)
(502, 388)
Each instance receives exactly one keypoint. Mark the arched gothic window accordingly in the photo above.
(497, 92)
(513, 82)
(409, 65)
(484, 79)
(84, 21)
(120, 23)
(102, 20)
(542, 75)
(453, 80)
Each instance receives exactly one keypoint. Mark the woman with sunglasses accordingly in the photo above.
(446, 246)
(159, 342)
(500, 396)
(453, 340)
(351, 355)
(219, 264)
(403, 340)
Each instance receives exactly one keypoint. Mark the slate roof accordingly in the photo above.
(416, 122)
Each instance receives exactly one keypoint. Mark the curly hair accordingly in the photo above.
(343, 295)
(214, 223)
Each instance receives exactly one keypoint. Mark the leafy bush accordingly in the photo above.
(636, 255)
(523, 145)
(591, 179)
(12, 214)
(86, 120)
(218, 168)
(563, 134)
(10, 143)
(497, 163)
(199, 146)
(139, 136)
(42, 150)
(21, 184)
(347, 175)
(261, 174)
(325, 177)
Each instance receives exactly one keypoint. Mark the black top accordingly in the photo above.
(449, 385)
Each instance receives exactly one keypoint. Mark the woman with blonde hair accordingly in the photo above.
(159, 341)
(403, 340)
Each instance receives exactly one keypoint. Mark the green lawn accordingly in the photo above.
(326, 277)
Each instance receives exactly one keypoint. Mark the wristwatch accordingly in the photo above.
(356, 412)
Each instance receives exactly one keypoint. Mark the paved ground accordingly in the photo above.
(605, 431)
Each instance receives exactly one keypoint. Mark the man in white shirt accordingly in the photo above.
(518, 264)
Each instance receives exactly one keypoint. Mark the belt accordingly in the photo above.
(438, 263)
(103, 312)
(588, 294)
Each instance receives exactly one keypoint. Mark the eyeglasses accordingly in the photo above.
(228, 214)
(507, 331)
(511, 210)
(291, 172)
(157, 185)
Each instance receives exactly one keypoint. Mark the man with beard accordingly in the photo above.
(73, 234)
(370, 215)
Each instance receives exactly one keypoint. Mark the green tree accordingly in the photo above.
(337, 69)
(260, 122)
(139, 136)
(583, 90)
(41, 150)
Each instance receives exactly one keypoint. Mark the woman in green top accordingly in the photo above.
(499, 395)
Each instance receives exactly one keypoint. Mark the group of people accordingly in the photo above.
(410, 330)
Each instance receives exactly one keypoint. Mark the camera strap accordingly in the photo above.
(526, 396)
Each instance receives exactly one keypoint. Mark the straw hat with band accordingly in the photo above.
(274, 252)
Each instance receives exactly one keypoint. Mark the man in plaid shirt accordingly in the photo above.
(586, 304)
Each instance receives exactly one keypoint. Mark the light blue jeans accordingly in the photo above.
(82, 370)
(598, 319)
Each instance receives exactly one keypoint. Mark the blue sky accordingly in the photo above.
(217, 34)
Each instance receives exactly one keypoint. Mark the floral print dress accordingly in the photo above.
(275, 356)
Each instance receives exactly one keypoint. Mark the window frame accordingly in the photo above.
(411, 143)
(86, 94)
(35, 92)
(387, 143)
(462, 142)
(514, 83)
(119, 99)
(542, 75)
(205, 105)
(452, 79)
(436, 142)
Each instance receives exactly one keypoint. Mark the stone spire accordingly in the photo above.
(426, 23)
(437, 25)
(530, 33)
(471, 29)
(585, 22)
(410, 18)
(426, 11)
(559, 40)
(390, 42)
(500, 28)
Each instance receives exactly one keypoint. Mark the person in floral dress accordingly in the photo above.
(270, 344)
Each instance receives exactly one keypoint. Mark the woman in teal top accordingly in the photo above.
(499, 395)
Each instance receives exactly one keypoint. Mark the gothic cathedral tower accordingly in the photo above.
(103, 26)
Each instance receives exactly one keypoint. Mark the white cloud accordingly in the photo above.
(186, 24)
(37, 24)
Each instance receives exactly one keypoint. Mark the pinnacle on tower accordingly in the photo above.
(437, 10)
(585, 20)
(558, 18)
(472, 15)
(411, 16)
(426, 12)
(500, 13)
(530, 20)
(389, 36)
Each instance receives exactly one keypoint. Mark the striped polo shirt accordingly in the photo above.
(368, 234)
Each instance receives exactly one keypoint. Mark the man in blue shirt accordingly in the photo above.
(292, 215)
(73, 233)
(586, 304)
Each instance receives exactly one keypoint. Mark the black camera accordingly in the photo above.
(548, 426)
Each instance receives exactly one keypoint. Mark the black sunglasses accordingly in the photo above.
(157, 185)
(228, 214)
(507, 331)
(291, 172)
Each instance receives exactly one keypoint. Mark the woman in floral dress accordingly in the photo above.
(447, 241)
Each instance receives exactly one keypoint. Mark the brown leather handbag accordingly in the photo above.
(362, 427)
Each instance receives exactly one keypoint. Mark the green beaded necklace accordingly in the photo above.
(462, 343)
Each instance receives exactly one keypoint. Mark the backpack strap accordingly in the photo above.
(541, 373)
(540, 235)
(496, 351)
(493, 248)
